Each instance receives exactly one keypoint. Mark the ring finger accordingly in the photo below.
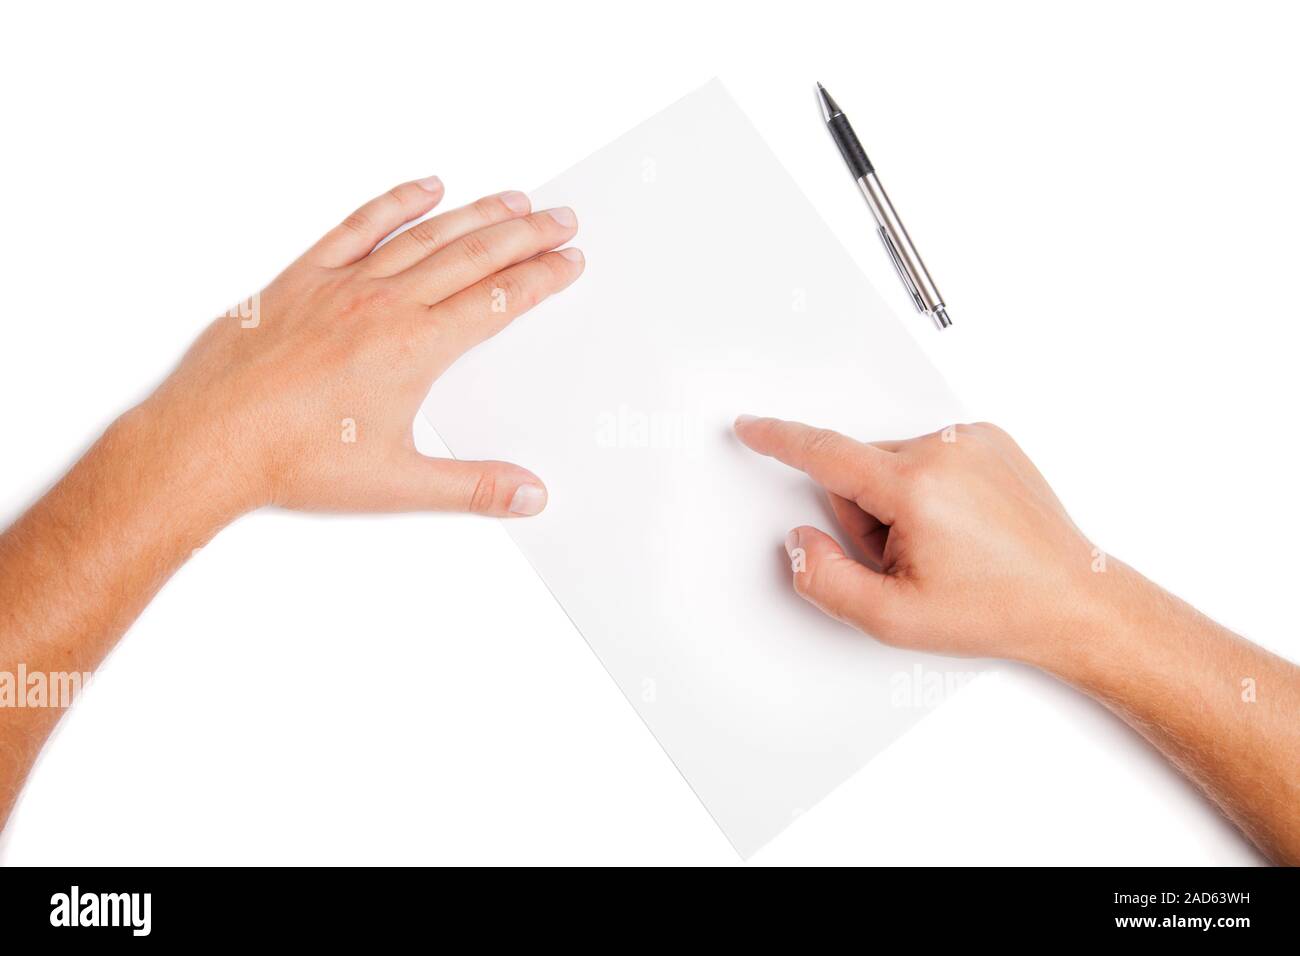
(484, 309)
(425, 238)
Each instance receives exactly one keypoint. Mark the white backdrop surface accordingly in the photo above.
(1105, 196)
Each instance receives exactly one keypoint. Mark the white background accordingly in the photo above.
(1106, 196)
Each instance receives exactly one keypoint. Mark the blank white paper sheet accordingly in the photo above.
(712, 288)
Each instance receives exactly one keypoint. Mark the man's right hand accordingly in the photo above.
(962, 548)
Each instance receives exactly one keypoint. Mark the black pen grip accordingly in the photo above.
(850, 148)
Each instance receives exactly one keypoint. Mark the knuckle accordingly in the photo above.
(357, 222)
(557, 267)
(926, 488)
(484, 494)
(427, 235)
(508, 287)
(954, 437)
(475, 250)
(920, 470)
(489, 207)
(995, 432)
(918, 477)
(540, 223)
(819, 442)
(554, 273)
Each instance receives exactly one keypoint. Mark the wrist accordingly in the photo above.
(1108, 629)
(185, 467)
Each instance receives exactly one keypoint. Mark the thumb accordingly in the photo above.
(495, 488)
(840, 586)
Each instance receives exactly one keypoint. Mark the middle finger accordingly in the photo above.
(425, 238)
(476, 256)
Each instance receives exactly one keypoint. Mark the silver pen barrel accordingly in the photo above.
(907, 261)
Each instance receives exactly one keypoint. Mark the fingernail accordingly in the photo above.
(573, 255)
(564, 216)
(515, 201)
(746, 419)
(791, 542)
(431, 183)
(528, 500)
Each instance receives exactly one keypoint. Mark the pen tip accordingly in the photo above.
(829, 107)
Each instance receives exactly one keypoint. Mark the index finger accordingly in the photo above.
(357, 235)
(862, 473)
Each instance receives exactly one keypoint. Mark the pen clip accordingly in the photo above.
(903, 274)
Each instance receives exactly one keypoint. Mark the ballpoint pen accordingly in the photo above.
(916, 279)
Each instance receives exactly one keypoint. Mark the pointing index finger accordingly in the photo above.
(850, 469)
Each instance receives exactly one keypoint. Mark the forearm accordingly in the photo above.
(78, 568)
(1220, 708)
(305, 402)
